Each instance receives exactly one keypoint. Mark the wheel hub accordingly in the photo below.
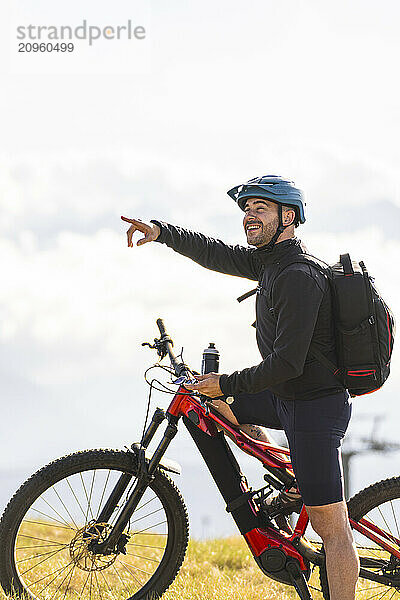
(83, 557)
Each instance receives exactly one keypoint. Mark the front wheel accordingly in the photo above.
(47, 528)
(380, 504)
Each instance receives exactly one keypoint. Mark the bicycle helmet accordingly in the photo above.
(276, 189)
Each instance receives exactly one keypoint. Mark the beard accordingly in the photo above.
(264, 235)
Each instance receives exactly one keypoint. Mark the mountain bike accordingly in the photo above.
(112, 524)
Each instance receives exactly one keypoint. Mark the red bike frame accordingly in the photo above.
(261, 539)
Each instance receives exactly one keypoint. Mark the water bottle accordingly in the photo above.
(210, 362)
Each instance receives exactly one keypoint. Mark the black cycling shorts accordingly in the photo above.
(314, 430)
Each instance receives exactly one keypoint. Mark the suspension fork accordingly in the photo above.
(124, 480)
(145, 475)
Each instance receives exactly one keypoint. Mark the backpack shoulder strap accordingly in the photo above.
(300, 258)
(308, 259)
(323, 268)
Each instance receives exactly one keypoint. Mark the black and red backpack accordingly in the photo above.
(364, 324)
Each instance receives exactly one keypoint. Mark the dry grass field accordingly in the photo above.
(219, 569)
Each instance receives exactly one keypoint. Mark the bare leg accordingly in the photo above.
(255, 431)
(331, 522)
(258, 433)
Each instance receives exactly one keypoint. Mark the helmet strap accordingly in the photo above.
(281, 227)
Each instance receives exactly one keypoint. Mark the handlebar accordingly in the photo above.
(161, 326)
(179, 367)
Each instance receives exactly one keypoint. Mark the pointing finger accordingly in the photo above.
(137, 224)
(128, 220)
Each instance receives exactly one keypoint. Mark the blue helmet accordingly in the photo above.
(273, 188)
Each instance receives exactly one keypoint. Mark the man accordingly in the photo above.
(289, 389)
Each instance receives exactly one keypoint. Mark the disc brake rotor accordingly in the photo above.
(79, 550)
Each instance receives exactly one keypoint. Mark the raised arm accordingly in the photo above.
(207, 252)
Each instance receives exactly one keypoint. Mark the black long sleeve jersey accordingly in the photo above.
(301, 313)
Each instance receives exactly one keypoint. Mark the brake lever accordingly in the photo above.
(149, 345)
(159, 346)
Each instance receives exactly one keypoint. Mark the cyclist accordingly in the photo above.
(288, 389)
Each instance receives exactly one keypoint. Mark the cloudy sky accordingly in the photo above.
(161, 128)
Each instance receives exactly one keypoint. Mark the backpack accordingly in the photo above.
(363, 323)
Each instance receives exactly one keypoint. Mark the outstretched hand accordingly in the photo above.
(208, 385)
(151, 232)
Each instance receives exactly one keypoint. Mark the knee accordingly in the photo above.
(223, 408)
(330, 521)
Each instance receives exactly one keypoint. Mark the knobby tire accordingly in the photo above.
(45, 529)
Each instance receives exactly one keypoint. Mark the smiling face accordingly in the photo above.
(260, 221)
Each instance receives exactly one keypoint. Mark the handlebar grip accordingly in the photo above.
(161, 326)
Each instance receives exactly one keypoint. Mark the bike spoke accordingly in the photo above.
(42, 561)
(90, 495)
(150, 532)
(84, 585)
(148, 515)
(70, 579)
(145, 504)
(40, 539)
(382, 596)
(373, 587)
(50, 574)
(87, 499)
(121, 580)
(373, 550)
(129, 571)
(106, 582)
(37, 546)
(98, 586)
(54, 578)
(384, 520)
(62, 581)
(137, 509)
(57, 513)
(102, 494)
(51, 552)
(50, 517)
(134, 567)
(146, 546)
(66, 509)
(151, 527)
(44, 524)
(144, 557)
(395, 519)
(90, 585)
(74, 495)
